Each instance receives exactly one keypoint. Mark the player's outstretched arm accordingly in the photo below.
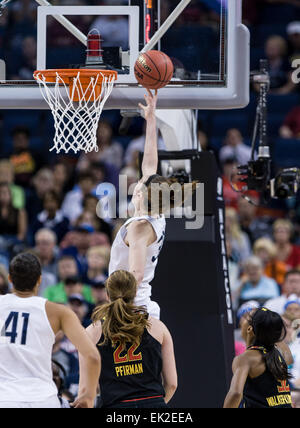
(240, 368)
(150, 158)
(94, 332)
(169, 371)
(63, 318)
(139, 236)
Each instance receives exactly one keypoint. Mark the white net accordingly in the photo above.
(76, 122)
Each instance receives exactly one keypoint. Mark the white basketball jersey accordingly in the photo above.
(26, 343)
(119, 258)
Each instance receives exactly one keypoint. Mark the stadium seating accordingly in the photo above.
(64, 56)
(286, 153)
(279, 14)
(262, 32)
(230, 119)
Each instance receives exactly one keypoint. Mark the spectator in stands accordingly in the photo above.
(78, 241)
(234, 147)
(46, 249)
(68, 360)
(61, 177)
(239, 241)
(110, 151)
(286, 251)
(42, 183)
(293, 32)
(266, 251)
(78, 305)
(255, 227)
(13, 222)
(104, 173)
(72, 206)
(230, 182)
(76, 300)
(74, 286)
(22, 159)
(278, 66)
(7, 176)
(24, 11)
(66, 267)
(255, 285)
(4, 283)
(90, 204)
(132, 177)
(289, 290)
(99, 293)
(292, 309)
(97, 260)
(52, 217)
(70, 283)
(88, 222)
(59, 375)
(291, 124)
(85, 234)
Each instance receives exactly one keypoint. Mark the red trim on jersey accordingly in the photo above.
(139, 399)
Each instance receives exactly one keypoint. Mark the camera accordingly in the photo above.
(285, 184)
(181, 176)
(256, 174)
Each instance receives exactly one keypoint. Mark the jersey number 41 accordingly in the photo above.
(9, 328)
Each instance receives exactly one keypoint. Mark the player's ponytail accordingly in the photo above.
(269, 329)
(122, 321)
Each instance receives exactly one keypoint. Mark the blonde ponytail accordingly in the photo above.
(122, 321)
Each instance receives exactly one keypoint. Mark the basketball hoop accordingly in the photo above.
(76, 98)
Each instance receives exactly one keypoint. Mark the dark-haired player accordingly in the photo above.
(260, 374)
(28, 327)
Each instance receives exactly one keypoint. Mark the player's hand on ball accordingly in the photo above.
(151, 100)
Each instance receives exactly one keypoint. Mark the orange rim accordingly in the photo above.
(68, 75)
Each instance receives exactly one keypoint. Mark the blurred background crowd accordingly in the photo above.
(48, 203)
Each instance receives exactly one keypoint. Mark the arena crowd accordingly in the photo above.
(49, 204)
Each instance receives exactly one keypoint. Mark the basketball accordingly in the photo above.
(153, 69)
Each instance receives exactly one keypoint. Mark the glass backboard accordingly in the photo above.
(205, 39)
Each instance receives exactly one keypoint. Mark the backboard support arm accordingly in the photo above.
(66, 23)
(166, 25)
(152, 42)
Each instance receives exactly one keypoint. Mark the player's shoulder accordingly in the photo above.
(158, 328)
(156, 323)
(140, 226)
(57, 309)
(248, 358)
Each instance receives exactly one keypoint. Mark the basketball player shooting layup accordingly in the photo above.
(27, 334)
(138, 243)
